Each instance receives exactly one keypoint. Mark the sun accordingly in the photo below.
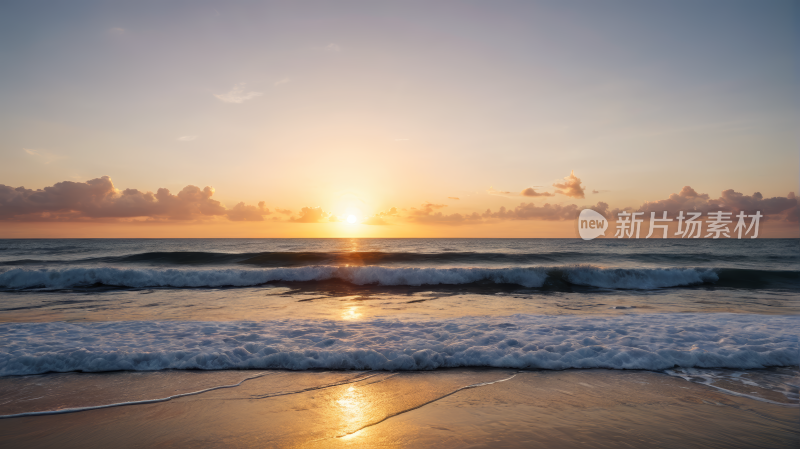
(351, 219)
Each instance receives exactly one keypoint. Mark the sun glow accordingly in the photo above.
(352, 218)
(352, 313)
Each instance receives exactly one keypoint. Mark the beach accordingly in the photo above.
(399, 344)
(449, 408)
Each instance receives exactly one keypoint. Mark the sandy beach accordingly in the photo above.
(444, 408)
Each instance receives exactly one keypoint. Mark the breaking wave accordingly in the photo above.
(531, 277)
(77, 277)
(646, 341)
(644, 279)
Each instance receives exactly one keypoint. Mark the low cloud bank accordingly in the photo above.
(777, 209)
(99, 199)
(531, 192)
(688, 200)
(313, 215)
(242, 212)
(379, 219)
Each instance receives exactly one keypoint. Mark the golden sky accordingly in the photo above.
(418, 119)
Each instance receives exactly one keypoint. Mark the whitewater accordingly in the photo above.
(396, 305)
(647, 342)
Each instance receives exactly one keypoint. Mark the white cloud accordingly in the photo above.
(492, 191)
(333, 47)
(283, 81)
(186, 138)
(44, 156)
(238, 95)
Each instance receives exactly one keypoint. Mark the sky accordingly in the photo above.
(413, 119)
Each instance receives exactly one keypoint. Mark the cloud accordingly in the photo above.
(530, 192)
(44, 157)
(571, 186)
(687, 200)
(429, 207)
(282, 81)
(98, 198)
(428, 214)
(379, 219)
(550, 212)
(186, 138)
(453, 198)
(595, 191)
(238, 95)
(492, 191)
(116, 30)
(780, 208)
(530, 211)
(333, 48)
(242, 212)
(313, 215)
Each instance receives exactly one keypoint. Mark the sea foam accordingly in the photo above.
(644, 341)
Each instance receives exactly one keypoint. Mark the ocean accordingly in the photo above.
(718, 313)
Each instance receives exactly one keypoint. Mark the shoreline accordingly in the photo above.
(442, 408)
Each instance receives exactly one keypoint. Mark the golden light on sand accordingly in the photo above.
(353, 406)
(352, 218)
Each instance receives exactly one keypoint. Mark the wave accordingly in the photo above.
(649, 342)
(529, 277)
(289, 259)
(644, 279)
(19, 278)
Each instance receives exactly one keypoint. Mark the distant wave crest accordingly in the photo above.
(528, 277)
(19, 278)
(638, 278)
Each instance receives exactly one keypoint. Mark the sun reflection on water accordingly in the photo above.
(351, 313)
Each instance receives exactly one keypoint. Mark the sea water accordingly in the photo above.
(687, 308)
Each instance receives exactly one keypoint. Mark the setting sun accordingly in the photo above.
(351, 219)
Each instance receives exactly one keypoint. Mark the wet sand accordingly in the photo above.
(444, 408)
